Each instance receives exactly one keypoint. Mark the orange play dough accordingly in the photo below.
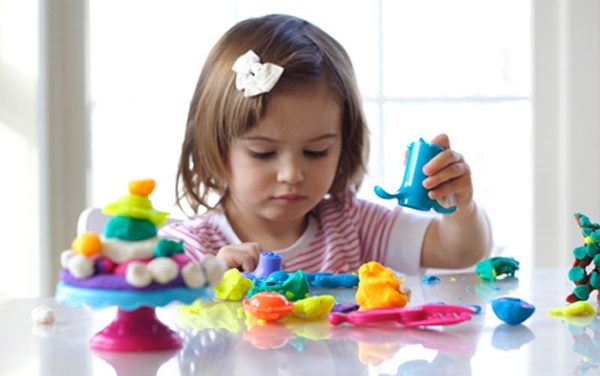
(87, 244)
(142, 187)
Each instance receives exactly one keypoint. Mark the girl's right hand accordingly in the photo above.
(241, 256)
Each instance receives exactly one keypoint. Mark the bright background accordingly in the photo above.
(95, 93)
(420, 73)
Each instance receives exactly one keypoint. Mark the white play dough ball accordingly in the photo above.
(42, 315)
(193, 275)
(163, 269)
(80, 266)
(215, 268)
(65, 256)
(138, 275)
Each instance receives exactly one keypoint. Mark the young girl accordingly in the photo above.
(276, 130)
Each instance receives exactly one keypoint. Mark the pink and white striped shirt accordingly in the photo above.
(343, 233)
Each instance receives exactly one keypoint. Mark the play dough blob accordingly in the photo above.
(268, 306)
(378, 287)
(314, 306)
(42, 315)
(234, 286)
(512, 311)
(87, 244)
(580, 308)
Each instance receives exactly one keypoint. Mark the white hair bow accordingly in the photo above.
(253, 77)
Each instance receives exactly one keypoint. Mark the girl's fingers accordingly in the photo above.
(446, 174)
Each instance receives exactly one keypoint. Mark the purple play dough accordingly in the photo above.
(345, 307)
(115, 282)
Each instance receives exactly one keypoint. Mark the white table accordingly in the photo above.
(542, 345)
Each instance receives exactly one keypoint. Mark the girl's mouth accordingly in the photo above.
(289, 199)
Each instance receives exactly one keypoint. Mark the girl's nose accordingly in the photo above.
(290, 172)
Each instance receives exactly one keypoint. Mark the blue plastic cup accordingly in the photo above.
(412, 194)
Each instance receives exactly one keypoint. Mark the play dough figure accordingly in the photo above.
(130, 267)
(129, 246)
(585, 272)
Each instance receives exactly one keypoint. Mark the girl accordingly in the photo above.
(276, 130)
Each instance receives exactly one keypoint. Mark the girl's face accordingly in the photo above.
(283, 166)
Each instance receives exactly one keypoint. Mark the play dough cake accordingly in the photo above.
(129, 266)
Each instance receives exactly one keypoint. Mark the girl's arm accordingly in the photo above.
(463, 238)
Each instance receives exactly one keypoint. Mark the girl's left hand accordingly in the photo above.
(448, 177)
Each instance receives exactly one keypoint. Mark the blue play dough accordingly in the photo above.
(512, 311)
(128, 300)
(269, 272)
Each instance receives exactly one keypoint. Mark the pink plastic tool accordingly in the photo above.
(424, 315)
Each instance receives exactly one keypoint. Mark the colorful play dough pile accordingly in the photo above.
(129, 256)
(270, 293)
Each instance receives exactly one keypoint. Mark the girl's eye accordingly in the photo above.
(315, 154)
(261, 155)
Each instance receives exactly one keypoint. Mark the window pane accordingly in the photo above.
(494, 140)
(136, 141)
(357, 30)
(404, 52)
(456, 48)
(145, 60)
(147, 51)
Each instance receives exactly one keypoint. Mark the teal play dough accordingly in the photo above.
(592, 249)
(167, 248)
(128, 228)
(581, 292)
(576, 273)
(595, 280)
(294, 288)
(584, 221)
(580, 252)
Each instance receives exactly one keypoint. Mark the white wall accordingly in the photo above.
(566, 148)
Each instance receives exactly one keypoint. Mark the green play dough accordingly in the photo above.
(294, 288)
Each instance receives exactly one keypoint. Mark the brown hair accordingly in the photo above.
(219, 113)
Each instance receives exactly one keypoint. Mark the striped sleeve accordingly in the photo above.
(354, 231)
(392, 237)
(200, 236)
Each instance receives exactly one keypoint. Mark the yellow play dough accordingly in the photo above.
(379, 287)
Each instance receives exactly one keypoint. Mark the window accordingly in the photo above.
(424, 67)
(18, 150)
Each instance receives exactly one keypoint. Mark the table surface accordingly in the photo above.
(542, 345)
